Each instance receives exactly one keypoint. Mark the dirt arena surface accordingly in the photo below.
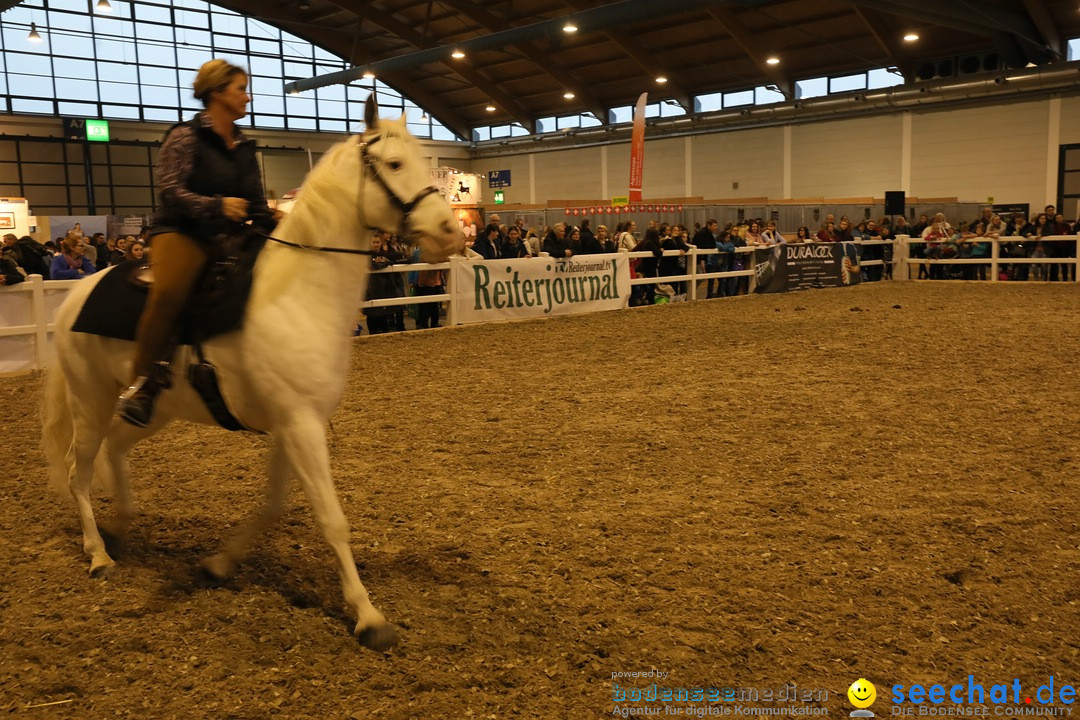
(876, 482)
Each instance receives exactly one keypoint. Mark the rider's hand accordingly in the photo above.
(235, 209)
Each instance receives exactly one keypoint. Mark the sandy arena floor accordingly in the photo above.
(879, 481)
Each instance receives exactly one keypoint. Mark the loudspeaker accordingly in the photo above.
(894, 202)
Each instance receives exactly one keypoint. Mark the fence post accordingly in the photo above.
(451, 289)
(901, 253)
(995, 254)
(692, 259)
(41, 322)
(752, 286)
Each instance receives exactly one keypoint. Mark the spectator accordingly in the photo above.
(513, 247)
(382, 285)
(584, 242)
(900, 226)
(487, 244)
(935, 235)
(532, 242)
(10, 272)
(556, 244)
(72, 263)
(430, 282)
(647, 267)
(802, 235)
(26, 253)
(753, 235)
(827, 233)
(625, 241)
(1059, 250)
(918, 228)
(135, 251)
(705, 239)
(771, 235)
(101, 253)
(843, 231)
(120, 253)
(607, 244)
(674, 265)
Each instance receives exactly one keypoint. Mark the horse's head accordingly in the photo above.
(400, 194)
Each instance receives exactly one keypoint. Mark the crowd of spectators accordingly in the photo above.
(70, 257)
(972, 241)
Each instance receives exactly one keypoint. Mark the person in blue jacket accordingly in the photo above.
(72, 263)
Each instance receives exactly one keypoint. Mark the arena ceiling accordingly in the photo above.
(521, 62)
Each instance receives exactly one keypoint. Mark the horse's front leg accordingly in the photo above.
(222, 565)
(304, 442)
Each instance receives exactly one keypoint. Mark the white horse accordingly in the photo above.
(283, 373)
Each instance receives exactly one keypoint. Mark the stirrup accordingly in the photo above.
(136, 404)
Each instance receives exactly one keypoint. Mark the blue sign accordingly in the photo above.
(499, 178)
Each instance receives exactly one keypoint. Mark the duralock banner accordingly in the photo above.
(487, 290)
(787, 267)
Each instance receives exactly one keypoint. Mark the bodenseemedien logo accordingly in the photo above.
(862, 695)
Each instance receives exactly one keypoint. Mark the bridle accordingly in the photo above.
(370, 164)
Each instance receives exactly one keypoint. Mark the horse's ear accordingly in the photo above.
(371, 112)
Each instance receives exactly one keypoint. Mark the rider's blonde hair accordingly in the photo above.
(215, 75)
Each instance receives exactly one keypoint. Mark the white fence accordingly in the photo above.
(27, 310)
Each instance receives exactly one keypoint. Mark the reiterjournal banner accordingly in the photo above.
(486, 290)
(788, 267)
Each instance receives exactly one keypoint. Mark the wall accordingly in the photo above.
(1008, 151)
(284, 161)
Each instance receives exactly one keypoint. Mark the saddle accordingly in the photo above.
(217, 306)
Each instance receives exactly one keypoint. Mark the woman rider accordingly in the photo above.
(209, 183)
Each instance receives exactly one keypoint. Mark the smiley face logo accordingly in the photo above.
(862, 693)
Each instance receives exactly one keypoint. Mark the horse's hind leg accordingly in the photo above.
(304, 443)
(84, 449)
(221, 565)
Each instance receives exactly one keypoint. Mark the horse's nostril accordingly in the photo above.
(447, 227)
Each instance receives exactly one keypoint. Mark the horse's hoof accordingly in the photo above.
(215, 568)
(102, 570)
(380, 638)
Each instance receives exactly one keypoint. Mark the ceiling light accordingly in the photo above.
(569, 27)
(490, 108)
(911, 37)
(294, 91)
(457, 54)
(368, 75)
(103, 6)
(34, 36)
(772, 61)
(424, 117)
(303, 5)
(568, 95)
(661, 79)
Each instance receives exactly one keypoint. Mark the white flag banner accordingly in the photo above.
(487, 290)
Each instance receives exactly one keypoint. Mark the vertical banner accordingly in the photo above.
(637, 149)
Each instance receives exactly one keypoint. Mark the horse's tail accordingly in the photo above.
(57, 429)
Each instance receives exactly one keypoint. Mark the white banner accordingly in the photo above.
(487, 290)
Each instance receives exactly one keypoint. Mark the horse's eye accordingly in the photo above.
(394, 165)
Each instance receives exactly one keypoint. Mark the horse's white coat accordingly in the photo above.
(284, 373)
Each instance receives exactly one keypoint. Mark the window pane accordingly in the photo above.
(301, 123)
(152, 13)
(116, 72)
(67, 89)
(735, 99)
(706, 103)
(69, 68)
(118, 50)
(767, 96)
(333, 110)
(191, 58)
(161, 114)
(31, 85)
(31, 106)
(268, 104)
(332, 125)
(847, 83)
(814, 87)
(230, 42)
(882, 78)
(158, 76)
(120, 111)
(621, 114)
(157, 54)
(119, 93)
(161, 33)
(157, 95)
(78, 109)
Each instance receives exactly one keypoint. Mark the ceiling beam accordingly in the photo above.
(648, 62)
(404, 31)
(340, 43)
(885, 33)
(542, 58)
(1048, 29)
(734, 27)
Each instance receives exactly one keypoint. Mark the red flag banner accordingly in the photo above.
(637, 149)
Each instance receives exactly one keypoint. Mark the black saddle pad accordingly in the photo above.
(115, 305)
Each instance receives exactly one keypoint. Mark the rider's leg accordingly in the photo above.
(178, 262)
